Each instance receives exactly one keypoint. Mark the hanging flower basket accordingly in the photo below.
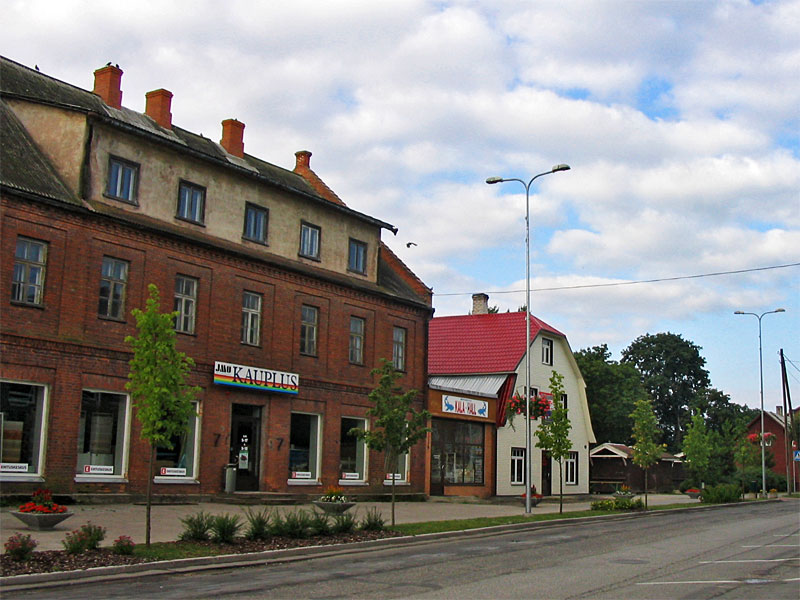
(539, 407)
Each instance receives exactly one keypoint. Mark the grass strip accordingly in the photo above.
(175, 551)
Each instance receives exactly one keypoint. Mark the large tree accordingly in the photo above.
(612, 388)
(553, 433)
(157, 382)
(674, 374)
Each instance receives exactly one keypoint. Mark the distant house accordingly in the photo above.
(478, 360)
(611, 467)
(775, 434)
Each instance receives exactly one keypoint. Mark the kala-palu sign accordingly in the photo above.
(256, 378)
(465, 406)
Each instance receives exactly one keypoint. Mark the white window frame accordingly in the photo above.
(547, 352)
(363, 424)
(251, 319)
(194, 476)
(571, 469)
(191, 202)
(20, 285)
(317, 452)
(310, 240)
(41, 434)
(114, 283)
(115, 186)
(517, 466)
(402, 472)
(357, 341)
(185, 305)
(399, 348)
(122, 476)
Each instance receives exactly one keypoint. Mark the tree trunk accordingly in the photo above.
(393, 482)
(149, 494)
(645, 489)
(560, 489)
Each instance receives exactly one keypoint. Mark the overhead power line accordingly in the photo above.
(621, 283)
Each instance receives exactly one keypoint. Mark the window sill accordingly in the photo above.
(10, 477)
(396, 483)
(252, 241)
(352, 483)
(190, 221)
(178, 480)
(307, 257)
(100, 479)
(303, 482)
(27, 304)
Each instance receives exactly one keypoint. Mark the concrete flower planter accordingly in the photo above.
(41, 521)
(333, 508)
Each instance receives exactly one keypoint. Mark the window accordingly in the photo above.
(101, 433)
(113, 280)
(571, 469)
(460, 446)
(401, 472)
(564, 402)
(122, 179)
(309, 240)
(191, 202)
(357, 257)
(547, 351)
(399, 348)
(256, 219)
(251, 318)
(309, 321)
(27, 285)
(22, 408)
(352, 451)
(357, 327)
(304, 446)
(179, 461)
(185, 303)
(518, 466)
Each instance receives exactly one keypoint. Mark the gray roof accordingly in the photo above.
(487, 386)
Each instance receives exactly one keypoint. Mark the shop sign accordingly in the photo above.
(395, 476)
(465, 406)
(98, 469)
(14, 467)
(350, 476)
(301, 474)
(172, 472)
(256, 378)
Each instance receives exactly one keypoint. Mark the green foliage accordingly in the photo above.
(224, 528)
(646, 451)
(553, 433)
(674, 374)
(123, 545)
(20, 546)
(86, 537)
(196, 527)
(373, 521)
(623, 503)
(343, 523)
(611, 391)
(697, 447)
(294, 524)
(258, 524)
(320, 523)
(722, 493)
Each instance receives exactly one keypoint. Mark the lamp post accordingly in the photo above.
(761, 379)
(490, 181)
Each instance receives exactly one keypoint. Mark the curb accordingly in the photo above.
(227, 561)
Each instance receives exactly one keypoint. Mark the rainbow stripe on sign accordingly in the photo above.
(255, 378)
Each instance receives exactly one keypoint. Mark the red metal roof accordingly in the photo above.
(493, 343)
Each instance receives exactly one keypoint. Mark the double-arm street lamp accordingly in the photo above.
(492, 180)
(761, 378)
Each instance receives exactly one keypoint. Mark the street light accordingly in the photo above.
(490, 181)
(761, 377)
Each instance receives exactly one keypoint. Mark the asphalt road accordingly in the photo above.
(749, 551)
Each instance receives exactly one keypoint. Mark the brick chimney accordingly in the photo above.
(302, 160)
(480, 304)
(233, 137)
(157, 107)
(107, 85)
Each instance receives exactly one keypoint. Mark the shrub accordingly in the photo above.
(258, 524)
(320, 523)
(373, 521)
(297, 524)
(343, 523)
(123, 545)
(196, 527)
(86, 537)
(618, 504)
(721, 494)
(20, 546)
(224, 528)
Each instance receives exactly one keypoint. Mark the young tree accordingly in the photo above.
(697, 447)
(553, 433)
(646, 450)
(157, 382)
(396, 426)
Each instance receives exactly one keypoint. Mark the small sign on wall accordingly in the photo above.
(14, 467)
(301, 474)
(98, 469)
(350, 476)
(172, 472)
(465, 406)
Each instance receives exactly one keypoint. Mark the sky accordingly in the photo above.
(680, 121)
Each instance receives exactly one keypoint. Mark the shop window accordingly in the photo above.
(399, 348)
(102, 433)
(180, 460)
(123, 178)
(352, 451)
(309, 323)
(547, 351)
(113, 283)
(571, 469)
(27, 285)
(185, 303)
(400, 474)
(518, 466)
(309, 240)
(304, 447)
(22, 409)
(357, 257)
(461, 450)
(357, 328)
(251, 318)
(191, 202)
(256, 219)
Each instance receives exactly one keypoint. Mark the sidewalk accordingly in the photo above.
(166, 526)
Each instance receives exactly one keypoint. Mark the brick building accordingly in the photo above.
(286, 300)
